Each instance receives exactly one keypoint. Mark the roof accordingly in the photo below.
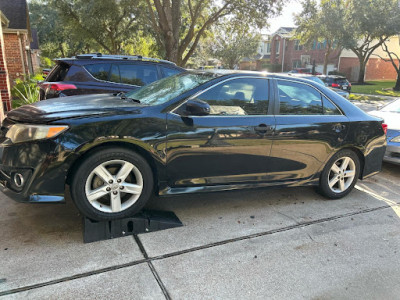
(16, 12)
(285, 32)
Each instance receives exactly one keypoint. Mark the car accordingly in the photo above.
(197, 131)
(99, 73)
(336, 81)
(303, 71)
(342, 93)
(390, 113)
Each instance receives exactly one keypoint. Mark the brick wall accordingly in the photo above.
(5, 97)
(377, 69)
(16, 65)
(290, 54)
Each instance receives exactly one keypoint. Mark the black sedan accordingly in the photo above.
(192, 132)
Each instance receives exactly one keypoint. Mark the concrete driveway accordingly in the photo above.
(258, 244)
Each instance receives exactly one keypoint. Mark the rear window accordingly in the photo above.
(341, 80)
(58, 73)
(99, 71)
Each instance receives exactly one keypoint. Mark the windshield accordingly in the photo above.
(168, 88)
(392, 107)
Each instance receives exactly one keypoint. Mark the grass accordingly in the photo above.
(379, 88)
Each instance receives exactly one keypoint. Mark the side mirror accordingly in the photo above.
(196, 107)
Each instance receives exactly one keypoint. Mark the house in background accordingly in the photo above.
(16, 39)
(376, 69)
(280, 52)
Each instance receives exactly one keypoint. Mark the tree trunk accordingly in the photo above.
(361, 74)
(397, 86)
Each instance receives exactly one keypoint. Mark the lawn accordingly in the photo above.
(380, 88)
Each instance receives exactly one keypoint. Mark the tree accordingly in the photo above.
(234, 41)
(109, 23)
(366, 25)
(178, 25)
(318, 24)
(394, 59)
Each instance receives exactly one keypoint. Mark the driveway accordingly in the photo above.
(266, 243)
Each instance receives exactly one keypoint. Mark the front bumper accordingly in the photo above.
(392, 154)
(32, 172)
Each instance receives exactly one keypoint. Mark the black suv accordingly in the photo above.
(336, 81)
(98, 73)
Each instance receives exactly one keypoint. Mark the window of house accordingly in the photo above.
(296, 64)
(277, 47)
(268, 48)
(297, 45)
(238, 97)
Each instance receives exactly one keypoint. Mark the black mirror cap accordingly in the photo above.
(197, 107)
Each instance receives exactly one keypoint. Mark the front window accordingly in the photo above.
(238, 97)
(168, 88)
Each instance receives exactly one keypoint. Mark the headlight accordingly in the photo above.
(396, 139)
(23, 132)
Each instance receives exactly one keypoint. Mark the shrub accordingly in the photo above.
(26, 91)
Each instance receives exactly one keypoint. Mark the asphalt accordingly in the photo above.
(272, 243)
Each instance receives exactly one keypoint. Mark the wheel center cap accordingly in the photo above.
(115, 186)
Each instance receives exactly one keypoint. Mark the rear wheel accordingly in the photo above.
(112, 183)
(340, 175)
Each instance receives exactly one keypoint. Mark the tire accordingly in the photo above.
(336, 181)
(113, 183)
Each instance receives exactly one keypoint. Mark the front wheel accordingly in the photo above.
(340, 175)
(111, 184)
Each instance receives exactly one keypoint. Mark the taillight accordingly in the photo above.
(335, 85)
(385, 128)
(58, 86)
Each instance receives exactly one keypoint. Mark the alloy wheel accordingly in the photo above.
(114, 186)
(341, 174)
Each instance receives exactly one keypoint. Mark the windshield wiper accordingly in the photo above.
(123, 96)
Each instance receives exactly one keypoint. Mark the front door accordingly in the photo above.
(231, 145)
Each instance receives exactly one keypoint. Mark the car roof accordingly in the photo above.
(236, 73)
(101, 57)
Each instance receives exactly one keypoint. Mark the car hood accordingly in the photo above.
(389, 118)
(71, 107)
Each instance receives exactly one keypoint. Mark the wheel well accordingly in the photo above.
(360, 157)
(150, 160)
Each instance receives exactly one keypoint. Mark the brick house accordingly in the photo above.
(4, 81)
(15, 44)
(280, 52)
(376, 68)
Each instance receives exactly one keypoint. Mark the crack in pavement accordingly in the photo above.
(193, 249)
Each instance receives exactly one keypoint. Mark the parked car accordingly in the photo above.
(391, 115)
(316, 79)
(336, 81)
(303, 71)
(98, 73)
(193, 132)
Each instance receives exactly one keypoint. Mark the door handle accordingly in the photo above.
(263, 128)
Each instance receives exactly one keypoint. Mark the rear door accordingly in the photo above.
(231, 145)
(309, 128)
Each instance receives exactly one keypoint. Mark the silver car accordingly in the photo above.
(391, 116)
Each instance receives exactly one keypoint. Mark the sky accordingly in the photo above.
(286, 18)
